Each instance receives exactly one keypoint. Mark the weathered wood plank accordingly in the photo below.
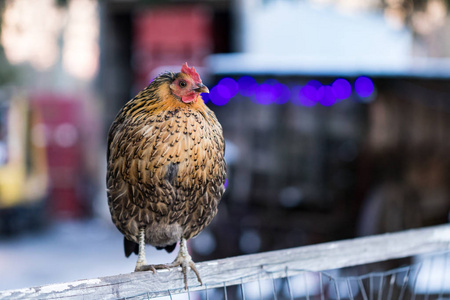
(249, 268)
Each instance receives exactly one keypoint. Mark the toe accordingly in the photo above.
(145, 268)
(194, 268)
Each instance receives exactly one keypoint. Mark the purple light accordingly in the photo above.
(226, 183)
(301, 98)
(216, 96)
(282, 93)
(364, 86)
(223, 91)
(272, 91)
(314, 83)
(264, 94)
(205, 97)
(309, 92)
(326, 95)
(342, 88)
(247, 86)
(229, 87)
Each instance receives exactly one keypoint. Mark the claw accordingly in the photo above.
(194, 268)
(183, 263)
(185, 260)
(146, 268)
(163, 266)
(184, 268)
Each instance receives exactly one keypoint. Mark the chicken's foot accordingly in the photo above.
(183, 260)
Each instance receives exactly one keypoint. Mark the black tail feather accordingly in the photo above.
(169, 248)
(130, 247)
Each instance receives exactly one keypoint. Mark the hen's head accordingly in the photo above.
(187, 85)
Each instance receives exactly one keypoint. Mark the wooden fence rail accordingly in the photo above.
(249, 268)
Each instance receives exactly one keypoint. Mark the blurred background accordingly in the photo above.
(335, 115)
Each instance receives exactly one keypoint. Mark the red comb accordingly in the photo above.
(191, 72)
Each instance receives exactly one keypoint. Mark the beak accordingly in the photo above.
(201, 88)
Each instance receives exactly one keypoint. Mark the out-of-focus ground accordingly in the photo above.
(67, 251)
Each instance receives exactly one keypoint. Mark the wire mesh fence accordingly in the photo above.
(428, 277)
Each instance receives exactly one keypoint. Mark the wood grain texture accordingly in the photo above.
(249, 268)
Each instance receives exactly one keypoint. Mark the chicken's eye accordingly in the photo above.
(182, 84)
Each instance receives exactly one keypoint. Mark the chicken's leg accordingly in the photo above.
(183, 260)
(141, 256)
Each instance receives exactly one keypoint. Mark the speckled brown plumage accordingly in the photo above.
(165, 166)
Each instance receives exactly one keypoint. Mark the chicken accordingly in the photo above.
(165, 168)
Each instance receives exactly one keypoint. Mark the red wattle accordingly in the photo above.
(189, 98)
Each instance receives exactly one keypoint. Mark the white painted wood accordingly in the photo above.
(248, 268)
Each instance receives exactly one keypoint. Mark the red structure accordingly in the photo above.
(169, 36)
(65, 128)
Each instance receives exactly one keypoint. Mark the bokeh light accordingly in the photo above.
(364, 86)
(228, 87)
(342, 88)
(314, 83)
(310, 92)
(215, 95)
(223, 91)
(264, 94)
(272, 91)
(282, 93)
(247, 86)
(326, 95)
(303, 98)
